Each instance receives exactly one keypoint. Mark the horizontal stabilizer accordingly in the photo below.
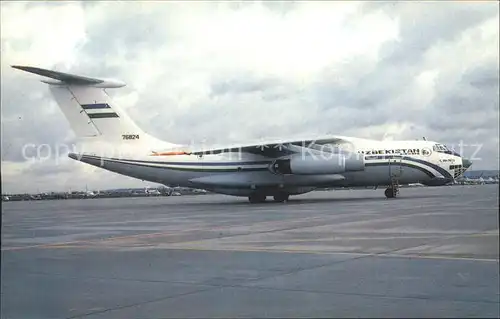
(70, 79)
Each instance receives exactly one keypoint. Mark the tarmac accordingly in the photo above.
(432, 252)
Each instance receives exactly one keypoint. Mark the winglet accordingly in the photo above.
(70, 79)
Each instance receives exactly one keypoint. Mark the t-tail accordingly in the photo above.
(92, 114)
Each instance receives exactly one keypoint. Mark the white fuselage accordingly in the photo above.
(240, 173)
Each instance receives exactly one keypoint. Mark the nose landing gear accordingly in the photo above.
(395, 172)
(393, 190)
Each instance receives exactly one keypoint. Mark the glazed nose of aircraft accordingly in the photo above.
(466, 163)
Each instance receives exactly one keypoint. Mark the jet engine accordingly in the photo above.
(318, 164)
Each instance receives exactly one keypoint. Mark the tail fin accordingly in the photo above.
(91, 112)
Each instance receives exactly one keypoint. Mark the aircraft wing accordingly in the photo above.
(64, 77)
(70, 79)
(273, 148)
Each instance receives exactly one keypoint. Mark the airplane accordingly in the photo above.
(279, 168)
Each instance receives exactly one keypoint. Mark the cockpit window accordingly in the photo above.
(440, 148)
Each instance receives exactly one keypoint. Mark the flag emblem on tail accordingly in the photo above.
(94, 111)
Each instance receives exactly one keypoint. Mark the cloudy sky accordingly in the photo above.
(230, 72)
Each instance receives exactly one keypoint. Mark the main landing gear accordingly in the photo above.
(257, 198)
(393, 190)
(261, 198)
(281, 197)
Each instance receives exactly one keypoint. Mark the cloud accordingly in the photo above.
(239, 71)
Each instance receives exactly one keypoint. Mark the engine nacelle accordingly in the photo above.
(317, 165)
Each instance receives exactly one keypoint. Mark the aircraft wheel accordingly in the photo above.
(257, 198)
(281, 197)
(389, 192)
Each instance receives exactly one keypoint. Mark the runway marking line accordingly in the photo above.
(299, 251)
(292, 251)
(289, 251)
(167, 233)
(49, 245)
(71, 244)
(151, 235)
